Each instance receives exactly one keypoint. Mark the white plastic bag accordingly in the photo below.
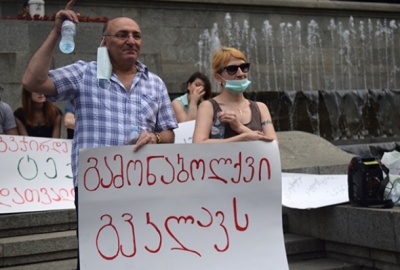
(392, 161)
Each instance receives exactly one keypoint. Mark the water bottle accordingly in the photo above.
(133, 135)
(68, 30)
(217, 129)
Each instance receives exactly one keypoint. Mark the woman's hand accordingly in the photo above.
(197, 94)
(230, 117)
(256, 136)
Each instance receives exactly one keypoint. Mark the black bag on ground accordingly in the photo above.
(366, 182)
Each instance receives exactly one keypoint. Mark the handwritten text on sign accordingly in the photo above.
(182, 206)
(35, 174)
(306, 191)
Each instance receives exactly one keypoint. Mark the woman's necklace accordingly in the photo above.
(227, 103)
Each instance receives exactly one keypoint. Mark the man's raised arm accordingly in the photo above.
(36, 77)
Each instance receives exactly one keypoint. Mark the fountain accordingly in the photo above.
(339, 83)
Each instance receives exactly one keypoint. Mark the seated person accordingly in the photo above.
(7, 121)
(38, 117)
(198, 89)
(69, 120)
(230, 116)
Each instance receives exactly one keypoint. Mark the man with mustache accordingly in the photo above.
(112, 95)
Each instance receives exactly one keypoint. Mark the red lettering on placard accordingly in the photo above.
(266, 161)
(4, 192)
(211, 219)
(58, 199)
(148, 221)
(44, 146)
(129, 221)
(251, 165)
(29, 195)
(44, 191)
(60, 147)
(3, 145)
(25, 143)
(215, 176)
(22, 198)
(65, 198)
(134, 168)
(220, 213)
(86, 179)
(173, 174)
(238, 165)
(12, 139)
(161, 168)
(149, 175)
(183, 174)
(115, 177)
(178, 219)
(235, 215)
(112, 257)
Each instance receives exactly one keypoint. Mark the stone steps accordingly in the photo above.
(47, 240)
(69, 264)
(322, 264)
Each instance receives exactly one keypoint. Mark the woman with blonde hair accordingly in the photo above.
(38, 117)
(230, 116)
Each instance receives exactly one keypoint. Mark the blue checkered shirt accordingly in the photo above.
(105, 111)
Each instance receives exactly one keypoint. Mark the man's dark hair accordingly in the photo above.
(26, 3)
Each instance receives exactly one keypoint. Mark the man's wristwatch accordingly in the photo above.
(158, 137)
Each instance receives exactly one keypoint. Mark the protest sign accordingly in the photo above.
(182, 206)
(184, 132)
(307, 191)
(35, 174)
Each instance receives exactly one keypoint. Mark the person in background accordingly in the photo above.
(25, 10)
(7, 121)
(198, 89)
(38, 117)
(120, 96)
(69, 120)
(230, 116)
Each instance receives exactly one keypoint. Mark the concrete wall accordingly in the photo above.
(292, 45)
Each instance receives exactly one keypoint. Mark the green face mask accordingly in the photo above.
(237, 86)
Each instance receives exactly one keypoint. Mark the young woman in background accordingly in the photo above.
(38, 117)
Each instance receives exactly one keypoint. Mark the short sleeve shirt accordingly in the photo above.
(105, 111)
(7, 120)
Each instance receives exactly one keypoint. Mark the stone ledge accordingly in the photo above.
(37, 222)
(304, 152)
(370, 235)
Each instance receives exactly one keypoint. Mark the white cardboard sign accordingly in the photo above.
(182, 206)
(35, 174)
(307, 191)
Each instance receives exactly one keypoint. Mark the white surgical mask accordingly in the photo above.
(104, 67)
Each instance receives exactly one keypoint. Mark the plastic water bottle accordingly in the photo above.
(217, 129)
(68, 30)
(134, 135)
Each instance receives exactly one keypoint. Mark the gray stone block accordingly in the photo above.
(59, 265)
(372, 228)
(385, 256)
(325, 264)
(37, 222)
(351, 250)
(296, 244)
(38, 248)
